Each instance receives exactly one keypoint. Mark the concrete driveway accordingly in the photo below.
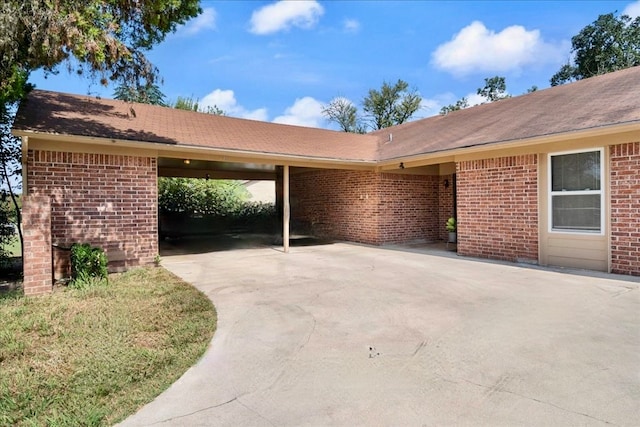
(348, 335)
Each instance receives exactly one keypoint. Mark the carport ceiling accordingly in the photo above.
(189, 168)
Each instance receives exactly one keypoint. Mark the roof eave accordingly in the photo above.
(226, 154)
(517, 143)
(165, 149)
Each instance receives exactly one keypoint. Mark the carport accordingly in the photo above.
(90, 169)
(174, 225)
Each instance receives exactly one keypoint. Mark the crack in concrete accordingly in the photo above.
(420, 346)
(197, 411)
(302, 345)
(622, 292)
(618, 292)
(313, 328)
(235, 399)
(256, 412)
(493, 389)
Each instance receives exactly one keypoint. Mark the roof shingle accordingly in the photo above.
(606, 100)
(66, 114)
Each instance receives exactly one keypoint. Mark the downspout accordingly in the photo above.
(25, 153)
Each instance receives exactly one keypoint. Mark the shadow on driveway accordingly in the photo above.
(230, 242)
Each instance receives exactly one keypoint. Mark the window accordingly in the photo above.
(576, 192)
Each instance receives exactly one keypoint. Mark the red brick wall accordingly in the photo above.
(365, 207)
(36, 222)
(336, 204)
(498, 208)
(408, 206)
(625, 208)
(105, 200)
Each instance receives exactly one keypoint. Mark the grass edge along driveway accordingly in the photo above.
(94, 356)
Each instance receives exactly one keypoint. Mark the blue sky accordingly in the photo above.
(282, 61)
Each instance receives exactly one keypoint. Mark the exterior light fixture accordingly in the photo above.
(401, 165)
(186, 161)
(446, 183)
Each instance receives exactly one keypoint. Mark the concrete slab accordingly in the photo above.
(346, 334)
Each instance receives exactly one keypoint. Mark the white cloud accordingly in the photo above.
(632, 9)
(226, 101)
(283, 15)
(428, 108)
(259, 114)
(477, 49)
(432, 106)
(351, 26)
(205, 21)
(223, 99)
(475, 99)
(305, 111)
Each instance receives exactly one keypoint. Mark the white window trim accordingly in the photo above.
(551, 193)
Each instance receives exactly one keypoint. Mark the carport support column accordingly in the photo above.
(286, 211)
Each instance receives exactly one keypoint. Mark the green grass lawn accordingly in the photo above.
(93, 357)
(13, 248)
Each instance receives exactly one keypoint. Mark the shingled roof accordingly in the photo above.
(608, 100)
(65, 114)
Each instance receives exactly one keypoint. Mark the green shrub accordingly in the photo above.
(255, 211)
(88, 265)
(221, 203)
(200, 196)
(451, 225)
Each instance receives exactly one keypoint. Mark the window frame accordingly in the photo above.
(551, 193)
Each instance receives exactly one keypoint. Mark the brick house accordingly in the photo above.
(551, 177)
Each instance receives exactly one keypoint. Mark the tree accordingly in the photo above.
(186, 103)
(191, 104)
(608, 44)
(147, 94)
(10, 167)
(342, 111)
(564, 75)
(459, 105)
(391, 105)
(10, 156)
(494, 89)
(105, 39)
